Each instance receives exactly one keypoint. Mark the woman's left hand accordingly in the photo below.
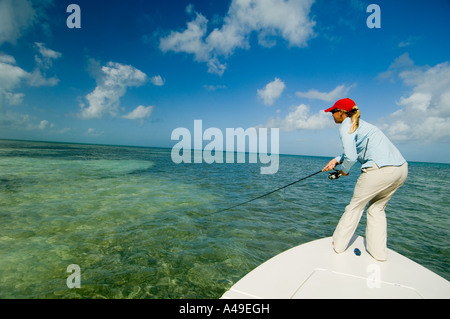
(331, 165)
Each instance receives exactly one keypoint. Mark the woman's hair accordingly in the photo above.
(354, 115)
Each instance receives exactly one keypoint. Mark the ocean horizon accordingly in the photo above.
(192, 149)
(137, 225)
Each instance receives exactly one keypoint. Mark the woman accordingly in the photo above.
(384, 170)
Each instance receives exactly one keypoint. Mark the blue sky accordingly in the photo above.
(136, 70)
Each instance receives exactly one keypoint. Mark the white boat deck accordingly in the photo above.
(314, 270)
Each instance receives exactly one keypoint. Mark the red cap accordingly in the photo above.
(343, 104)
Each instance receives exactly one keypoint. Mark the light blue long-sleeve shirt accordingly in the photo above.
(368, 145)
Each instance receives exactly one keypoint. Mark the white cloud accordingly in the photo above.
(270, 19)
(13, 98)
(46, 52)
(11, 77)
(10, 74)
(45, 124)
(339, 92)
(93, 132)
(112, 83)
(15, 17)
(400, 64)
(37, 78)
(44, 61)
(410, 41)
(286, 19)
(215, 67)
(214, 87)
(189, 41)
(300, 119)
(8, 59)
(157, 80)
(271, 91)
(425, 111)
(46, 57)
(141, 112)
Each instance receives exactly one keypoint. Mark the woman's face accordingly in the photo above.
(339, 116)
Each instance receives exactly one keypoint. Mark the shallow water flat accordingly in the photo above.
(140, 226)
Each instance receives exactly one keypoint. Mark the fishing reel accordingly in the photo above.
(334, 175)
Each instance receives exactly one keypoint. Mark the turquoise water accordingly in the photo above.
(140, 226)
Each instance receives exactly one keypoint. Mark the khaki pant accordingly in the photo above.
(376, 187)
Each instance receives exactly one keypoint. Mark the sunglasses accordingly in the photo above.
(335, 110)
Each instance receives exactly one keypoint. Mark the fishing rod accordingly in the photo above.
(276, 190)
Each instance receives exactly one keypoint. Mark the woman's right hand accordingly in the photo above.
(331, 165)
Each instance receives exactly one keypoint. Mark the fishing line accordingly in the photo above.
(276, 190)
